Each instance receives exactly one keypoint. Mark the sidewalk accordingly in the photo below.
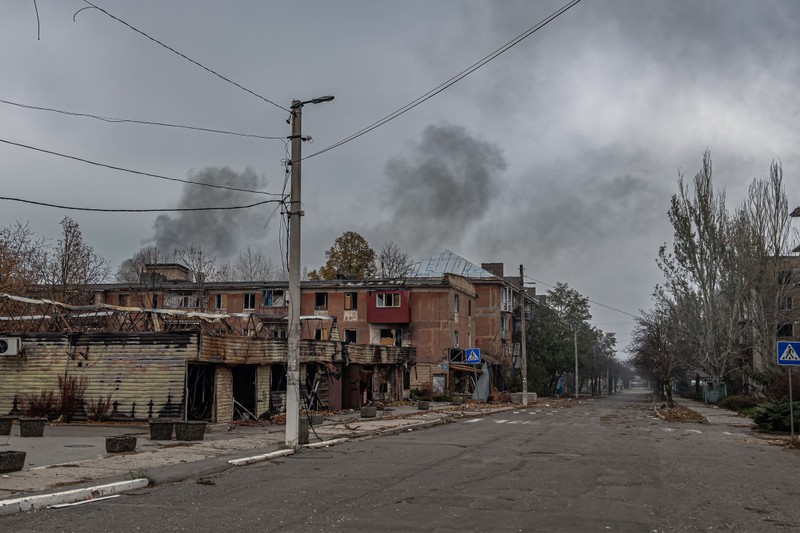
(715, 415)
(74, 456)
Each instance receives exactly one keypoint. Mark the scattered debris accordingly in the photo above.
(680, 414)
(206, 481)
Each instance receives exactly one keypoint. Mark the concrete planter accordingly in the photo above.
(423, 405)
(369, 412)
(161, 429)
(5, 425)
(121, 443)
(11, 461)
(31, 427)
(190, 430)
(317, 420)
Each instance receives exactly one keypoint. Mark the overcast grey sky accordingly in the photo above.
(560, 155)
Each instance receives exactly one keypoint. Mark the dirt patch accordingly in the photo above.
(680, 414)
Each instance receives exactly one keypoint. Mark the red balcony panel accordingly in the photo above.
(395, 307)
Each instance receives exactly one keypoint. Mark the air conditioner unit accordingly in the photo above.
(10, 346)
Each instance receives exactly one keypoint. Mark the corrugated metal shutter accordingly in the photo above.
(143, 372)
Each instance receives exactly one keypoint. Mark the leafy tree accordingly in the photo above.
(350, 257)
(551, 336)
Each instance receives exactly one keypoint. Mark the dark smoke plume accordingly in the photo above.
(220, 233)
(445, 185)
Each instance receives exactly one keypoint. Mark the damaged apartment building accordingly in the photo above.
(172, 346)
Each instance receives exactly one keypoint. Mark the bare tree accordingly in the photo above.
(653, 347)
(19, 255)
(250, 265)
(393, 263)
(702, 274)
(71, 267)
(203, 267)
(130, 270)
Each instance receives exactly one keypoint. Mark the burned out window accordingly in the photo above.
(321, 301)
(350, 336)
(123, 300)
(785, 330)
(350, 300)
(388, 300)
(274, 298)
(469, 307)
(455, 339)
(217, 301)
(249, 301)
(786, 303)
(277, 378)
(784, 277)
(456, 303)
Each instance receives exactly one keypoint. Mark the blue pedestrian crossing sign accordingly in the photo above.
(788, 353)
(473, 356)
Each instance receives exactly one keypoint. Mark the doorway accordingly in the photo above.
(244, 392)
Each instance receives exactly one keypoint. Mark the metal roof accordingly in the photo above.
(448, 262)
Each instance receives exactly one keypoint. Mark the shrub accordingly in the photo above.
(774, 417)
(71, 390)
(42, 404)
(738, 403)
(98, 409)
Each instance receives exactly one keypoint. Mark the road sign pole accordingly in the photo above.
(791, 404)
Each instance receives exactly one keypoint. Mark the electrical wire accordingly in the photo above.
(452, 81)
(137, 172)
(174, 51)
(588, 299)
(145, 122)
(171, 210)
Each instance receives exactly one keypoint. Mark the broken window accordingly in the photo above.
(274, 298)
(456, 303)
(182, 300)
(455, 339)
(350, 336)
(321, 301)
(217, 301)
(249, 301)
(350, 300)
(785, 330)
(123, 300)
(388, 300)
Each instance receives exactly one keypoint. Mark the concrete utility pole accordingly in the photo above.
(576, 361)
(522, 338)
(293, 340)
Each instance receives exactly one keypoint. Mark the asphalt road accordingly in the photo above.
(604, 465)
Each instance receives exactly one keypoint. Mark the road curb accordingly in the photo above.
(325, 443)
(39, 501)
(258, 458)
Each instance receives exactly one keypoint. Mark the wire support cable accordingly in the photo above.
(174, 51)
(587, 299)
(137, 172)
(145, 122)
(167, 210)
(452, 81)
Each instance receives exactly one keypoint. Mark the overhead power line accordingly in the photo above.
(452, 81)
(174, 51)
(588, 299)
(132, 121)
(137, 172)
(169, 210)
